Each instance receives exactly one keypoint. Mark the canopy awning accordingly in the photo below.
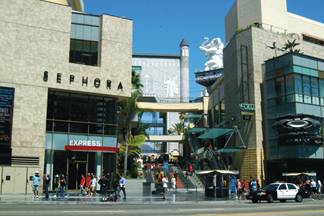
(196, 130)
(297, 174)
(231, 149)
(213, 133)
(228, 172)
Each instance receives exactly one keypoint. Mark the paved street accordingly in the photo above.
(156, 206)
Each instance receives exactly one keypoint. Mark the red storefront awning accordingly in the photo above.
(92, 148)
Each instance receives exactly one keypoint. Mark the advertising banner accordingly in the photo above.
(6, 113)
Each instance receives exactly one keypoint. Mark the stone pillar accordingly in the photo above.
(98, 166)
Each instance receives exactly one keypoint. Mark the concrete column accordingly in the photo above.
(98, 166)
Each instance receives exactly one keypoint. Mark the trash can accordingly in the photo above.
(146, 188)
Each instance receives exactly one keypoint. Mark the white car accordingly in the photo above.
(278, 191)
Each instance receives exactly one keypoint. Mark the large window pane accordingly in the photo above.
(61, 106)
(271, 92)
(78, 108)
(289, 84)
(298, 88)
(314, 91)
(307, 89)
(280, 89)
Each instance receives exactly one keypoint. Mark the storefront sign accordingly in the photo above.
(85, 143)
(85, 81)
(92, 148)
(6, 112)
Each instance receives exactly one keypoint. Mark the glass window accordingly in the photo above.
(298, 88)
(79, 107)
(307, 89)
(321, 90)
(314, 90)
(289, 84)
(291, 187)
(84, 52)
(283, 187)
(61, 106)
(280, 90)
(271, 92)
(84, 39)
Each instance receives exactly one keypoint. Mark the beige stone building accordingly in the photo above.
(256, 30)
(61, 75)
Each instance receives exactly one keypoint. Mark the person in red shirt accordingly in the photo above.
(190, 169)
(87, 183)
(82, 183)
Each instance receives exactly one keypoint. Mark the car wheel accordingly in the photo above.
(270, 198)
(282, 201)
(299, 198)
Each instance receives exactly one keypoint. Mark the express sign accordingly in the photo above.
(85, 143)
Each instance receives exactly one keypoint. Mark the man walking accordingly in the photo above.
(122, 185)
(35, 183)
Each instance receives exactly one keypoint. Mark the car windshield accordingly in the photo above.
(271, 187)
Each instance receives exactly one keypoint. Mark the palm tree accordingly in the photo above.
(290, 46)
(128, 113)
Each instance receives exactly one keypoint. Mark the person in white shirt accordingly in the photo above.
(165, 186)
(319, 186)
(93, 185)
(173, 183)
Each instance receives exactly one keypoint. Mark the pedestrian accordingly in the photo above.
(239, 187)
(165, 186)
(46, 180)
(173, 183)
(319, 186)
(82, 184)
(254, 185)
(87, 183)
(313, 186)
(103, 182)
(62, 186)
(190, 169)
(93, 185)
(35, 183)
(122, 185)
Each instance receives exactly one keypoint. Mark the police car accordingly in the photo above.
(277, 191)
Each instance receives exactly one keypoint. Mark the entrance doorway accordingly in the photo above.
(76, 169)
(72, 165)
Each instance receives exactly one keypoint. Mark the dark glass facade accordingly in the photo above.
(75, 119)
(294, 114)
(84, 43)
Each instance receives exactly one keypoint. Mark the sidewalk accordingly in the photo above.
(132, 198)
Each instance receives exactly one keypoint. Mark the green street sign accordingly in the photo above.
(245, 107)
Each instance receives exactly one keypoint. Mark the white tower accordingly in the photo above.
(184, 71)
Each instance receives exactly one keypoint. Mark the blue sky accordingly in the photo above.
(159, 25)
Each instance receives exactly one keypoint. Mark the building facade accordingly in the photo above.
(165, 78)
(293, 112)
(252, 39)
(61, 74)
